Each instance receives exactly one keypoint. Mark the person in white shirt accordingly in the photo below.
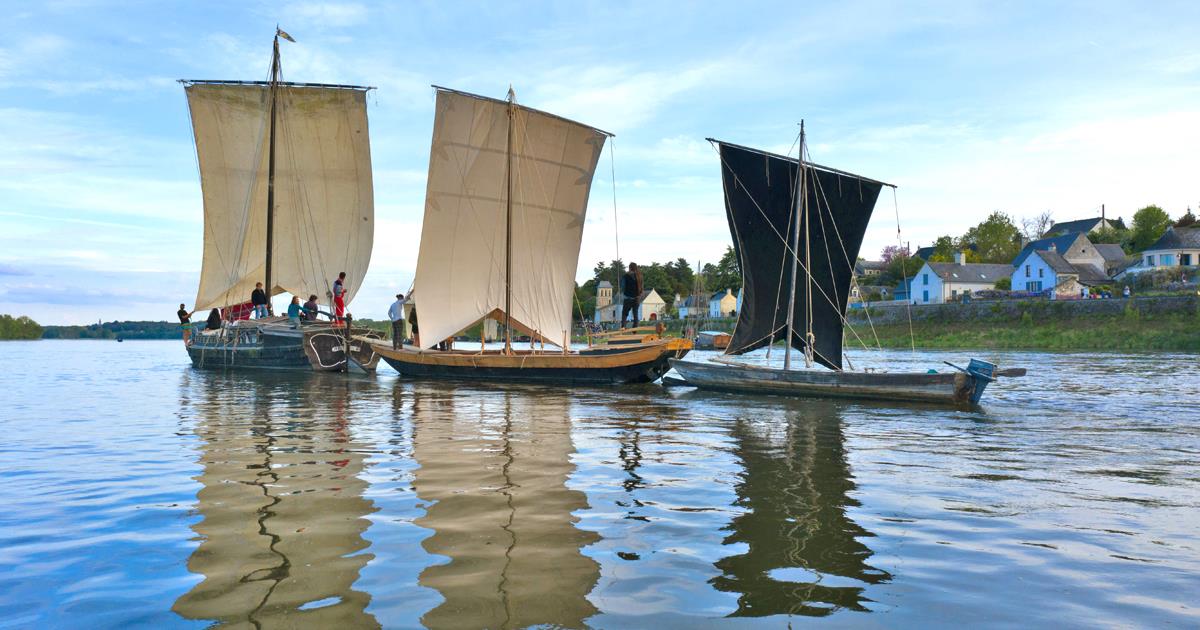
(396, 314)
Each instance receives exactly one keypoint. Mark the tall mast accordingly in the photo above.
(808, 320)
(512, 110)
(274, 93)
(796, 210)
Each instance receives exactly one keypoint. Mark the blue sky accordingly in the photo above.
(969, 107)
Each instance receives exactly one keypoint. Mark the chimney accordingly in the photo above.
(1101, 215)
(960, 258)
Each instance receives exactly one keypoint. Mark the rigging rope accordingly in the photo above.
(912, 340)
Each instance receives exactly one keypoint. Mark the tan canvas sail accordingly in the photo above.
(324, 204)
(461, 266)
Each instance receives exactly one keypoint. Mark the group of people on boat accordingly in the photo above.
(260, 304)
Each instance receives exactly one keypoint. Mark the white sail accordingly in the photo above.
(324, 205)
(461, 266)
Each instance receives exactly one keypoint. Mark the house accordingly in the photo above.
(1048, 271)
(650, 301)
(691, 306)
(1074, 247)
(1114, 258)
(937, 283)
(1083, 226)
(869, 269)
(722, 304)
(1178, 247)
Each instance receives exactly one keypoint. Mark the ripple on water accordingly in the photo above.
(149, 493)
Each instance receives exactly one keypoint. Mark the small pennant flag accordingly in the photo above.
(282, 33)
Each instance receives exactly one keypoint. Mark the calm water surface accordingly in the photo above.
(138, 491)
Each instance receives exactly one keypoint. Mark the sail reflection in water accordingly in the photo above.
(806, 555)
(494, 467)
(282, 504)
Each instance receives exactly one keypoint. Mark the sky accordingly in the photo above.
(968, 107)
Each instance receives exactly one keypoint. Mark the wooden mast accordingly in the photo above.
(796, 210)
(512, 97)
(809, 338)
(274, 93)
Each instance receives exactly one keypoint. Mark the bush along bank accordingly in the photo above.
(1145, 324)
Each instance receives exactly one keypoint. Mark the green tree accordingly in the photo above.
(1149, 224)
(1113, 235)
(725, 274)
(900, 268)
(1187, 220)
(1004, 284)
(12, 328)
(997, 239)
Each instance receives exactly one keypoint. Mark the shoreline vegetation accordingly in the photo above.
(1135, 325)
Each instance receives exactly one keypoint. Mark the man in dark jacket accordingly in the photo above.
(631, 289)
(258, 298)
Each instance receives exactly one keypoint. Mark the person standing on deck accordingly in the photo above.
(258, 298)
(185, 322)
(396, 314)
(631, 288)
(294, 311)
(339, 296)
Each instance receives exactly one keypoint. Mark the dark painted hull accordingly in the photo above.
(254, 349)
(326, 350)
(956, 388)
(609, 367)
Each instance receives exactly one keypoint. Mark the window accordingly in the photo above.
(1040, 274)
(925, 295)
(925, 279)
(1149, 261)
(1166, 259)
(1185, 260)
(954, 294)
(1027, 271)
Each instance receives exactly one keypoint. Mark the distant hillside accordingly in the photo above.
(113, 330)
(12, 328)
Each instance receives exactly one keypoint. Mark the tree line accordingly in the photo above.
(13, 328)
(668, 279)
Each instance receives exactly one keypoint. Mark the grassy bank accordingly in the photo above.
(1131, 331)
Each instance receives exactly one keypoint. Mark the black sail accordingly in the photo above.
(759, 198)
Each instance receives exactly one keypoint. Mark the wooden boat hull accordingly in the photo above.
(276, 346)
(643, 363)
(326, 350)
(953, 388)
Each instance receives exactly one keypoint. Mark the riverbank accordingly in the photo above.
(1148, 324)
(1176, 333)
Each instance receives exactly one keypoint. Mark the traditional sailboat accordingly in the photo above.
(285, 172)
(504, 212)
(797, 228)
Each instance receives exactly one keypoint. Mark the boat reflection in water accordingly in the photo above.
(805, 555)
(281, 502)
(493, 466)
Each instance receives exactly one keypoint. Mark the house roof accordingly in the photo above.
(1070, 227)
(1056, 262)
(1111, 252)
(1085, 274)
(971, 272)
(720, 295)
(604, 284)
(1178, 238)
(1061, 243)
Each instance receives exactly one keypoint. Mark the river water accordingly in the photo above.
(139, 491)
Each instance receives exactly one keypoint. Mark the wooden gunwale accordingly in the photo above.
(945, 388)
(529, 359)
